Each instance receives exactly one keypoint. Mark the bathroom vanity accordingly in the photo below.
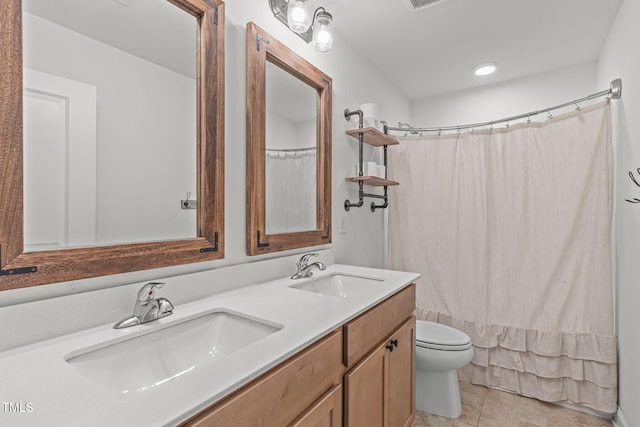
(333, 349)
(369, 360)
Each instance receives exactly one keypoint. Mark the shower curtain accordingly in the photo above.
(511, 231)
(290, 191)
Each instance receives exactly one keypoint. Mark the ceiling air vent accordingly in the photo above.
(417, 5)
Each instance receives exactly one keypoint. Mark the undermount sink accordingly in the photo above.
(147, 361)
(340, 285)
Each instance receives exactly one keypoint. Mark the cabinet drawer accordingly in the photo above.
(366, 332)
(282, 394)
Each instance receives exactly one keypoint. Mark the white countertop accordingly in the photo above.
(49, 391)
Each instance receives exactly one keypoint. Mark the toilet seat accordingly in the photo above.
(440, 337)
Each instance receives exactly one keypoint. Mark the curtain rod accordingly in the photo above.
(614, 91)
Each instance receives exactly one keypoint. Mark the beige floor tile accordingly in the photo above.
(500, 414)
(484, 407)
(555, 415)
(424, 419)
(478, 390)
(472, 398)
(580, 419)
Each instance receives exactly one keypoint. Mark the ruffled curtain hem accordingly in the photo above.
(553, 367)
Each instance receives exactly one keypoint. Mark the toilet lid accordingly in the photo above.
(441, 337)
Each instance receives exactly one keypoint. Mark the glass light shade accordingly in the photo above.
(323, 32)
(299, 15)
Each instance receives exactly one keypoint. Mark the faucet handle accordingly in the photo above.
(304, 259)
(165, 307)
(147, 292)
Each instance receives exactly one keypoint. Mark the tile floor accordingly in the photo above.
(483, 407)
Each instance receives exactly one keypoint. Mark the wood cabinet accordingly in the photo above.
(326, 412)
(376, 350)
(282, 394)
(365, 396)
(369, 330)
(379, 391)
(401, 369)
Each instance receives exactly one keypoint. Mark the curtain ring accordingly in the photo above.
(406, 127)
(577, 106)
(550, 116)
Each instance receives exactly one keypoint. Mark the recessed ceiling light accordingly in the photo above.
(485, 69)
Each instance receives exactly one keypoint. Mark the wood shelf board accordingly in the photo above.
(374, 181)
(373, 136)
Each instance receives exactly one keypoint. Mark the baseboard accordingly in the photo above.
(619, 420)
(584, 409)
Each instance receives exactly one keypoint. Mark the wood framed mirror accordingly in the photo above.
(21, 268)
(288, 118)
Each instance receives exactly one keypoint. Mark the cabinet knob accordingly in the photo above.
(390, 347)
(395, 343)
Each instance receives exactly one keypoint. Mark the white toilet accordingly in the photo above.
(440, 350)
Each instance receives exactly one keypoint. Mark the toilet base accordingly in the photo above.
(438, 393)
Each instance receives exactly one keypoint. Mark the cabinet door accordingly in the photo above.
(325, 412)
(365, 391)
(402, 376)
(379, 391)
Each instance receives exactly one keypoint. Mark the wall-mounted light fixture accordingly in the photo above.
(309, 24)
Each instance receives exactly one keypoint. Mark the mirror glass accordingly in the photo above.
(109, 122)
(291, 135)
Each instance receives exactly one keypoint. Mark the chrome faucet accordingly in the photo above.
(148, 307)
(304, 268)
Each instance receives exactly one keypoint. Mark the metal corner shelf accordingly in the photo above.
(373, 137)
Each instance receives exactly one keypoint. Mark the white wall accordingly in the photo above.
(506, 99)
(146, 135)
(306, 133)
(355, 81)
(280, 133)
(618, 59)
